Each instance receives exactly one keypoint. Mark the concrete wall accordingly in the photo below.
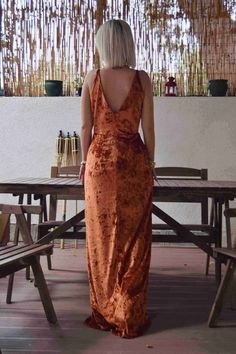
(190, 131)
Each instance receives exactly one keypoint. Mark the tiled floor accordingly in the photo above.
(180, 297)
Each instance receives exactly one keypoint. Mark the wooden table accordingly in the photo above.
(220, 191)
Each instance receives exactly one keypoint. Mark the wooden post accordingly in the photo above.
(4, 229)
(101, 6)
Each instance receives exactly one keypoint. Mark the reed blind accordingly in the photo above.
(192, 40)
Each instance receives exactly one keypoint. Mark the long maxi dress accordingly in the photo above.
(118, 199)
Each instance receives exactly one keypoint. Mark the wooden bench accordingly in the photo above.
(227, 256)
(163, 233)
(14, 257)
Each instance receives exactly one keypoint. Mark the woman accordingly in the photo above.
(117, 170)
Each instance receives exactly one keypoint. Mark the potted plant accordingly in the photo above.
(78, 83)
(53, 87)
(218, 87)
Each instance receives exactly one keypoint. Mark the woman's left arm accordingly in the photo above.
(86, 125)
(148, 118)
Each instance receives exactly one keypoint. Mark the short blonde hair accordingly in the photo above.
(115, 44)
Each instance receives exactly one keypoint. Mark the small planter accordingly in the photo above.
(218, 87)
(78, 91)
(53, 87)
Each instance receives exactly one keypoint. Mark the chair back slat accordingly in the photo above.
(64, 171)
(183, 172)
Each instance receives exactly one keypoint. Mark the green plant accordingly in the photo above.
(78, 82)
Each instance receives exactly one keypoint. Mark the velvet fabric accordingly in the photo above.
(118, 197)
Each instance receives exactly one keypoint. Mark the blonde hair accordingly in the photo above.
(115, 44)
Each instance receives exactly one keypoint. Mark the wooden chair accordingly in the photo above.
(227, 284)
(14, 257)
(44, 227)
(61, 172)
(162, 232)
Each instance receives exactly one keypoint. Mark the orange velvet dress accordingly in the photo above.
(118, 199)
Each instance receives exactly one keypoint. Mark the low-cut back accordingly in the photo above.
(125, 98)
(118, 199)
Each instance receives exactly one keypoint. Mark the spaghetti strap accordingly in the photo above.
(139, 81)
(94, 85)
(97, 75)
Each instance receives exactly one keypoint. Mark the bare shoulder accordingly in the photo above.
(145, 79)
(90, 77)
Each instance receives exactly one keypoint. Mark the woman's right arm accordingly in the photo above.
(86, 123)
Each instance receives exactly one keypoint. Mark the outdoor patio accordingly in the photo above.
(180, 298)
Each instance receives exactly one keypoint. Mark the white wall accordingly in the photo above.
(196, 132)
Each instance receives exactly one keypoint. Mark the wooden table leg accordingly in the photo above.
(233, 289)
(218, 226)
(10, 288)
(53, 207)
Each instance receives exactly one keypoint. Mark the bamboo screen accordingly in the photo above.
(193, 40)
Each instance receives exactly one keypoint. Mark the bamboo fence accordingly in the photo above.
(192, 40)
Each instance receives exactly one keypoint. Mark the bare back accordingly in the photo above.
(116, 85)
